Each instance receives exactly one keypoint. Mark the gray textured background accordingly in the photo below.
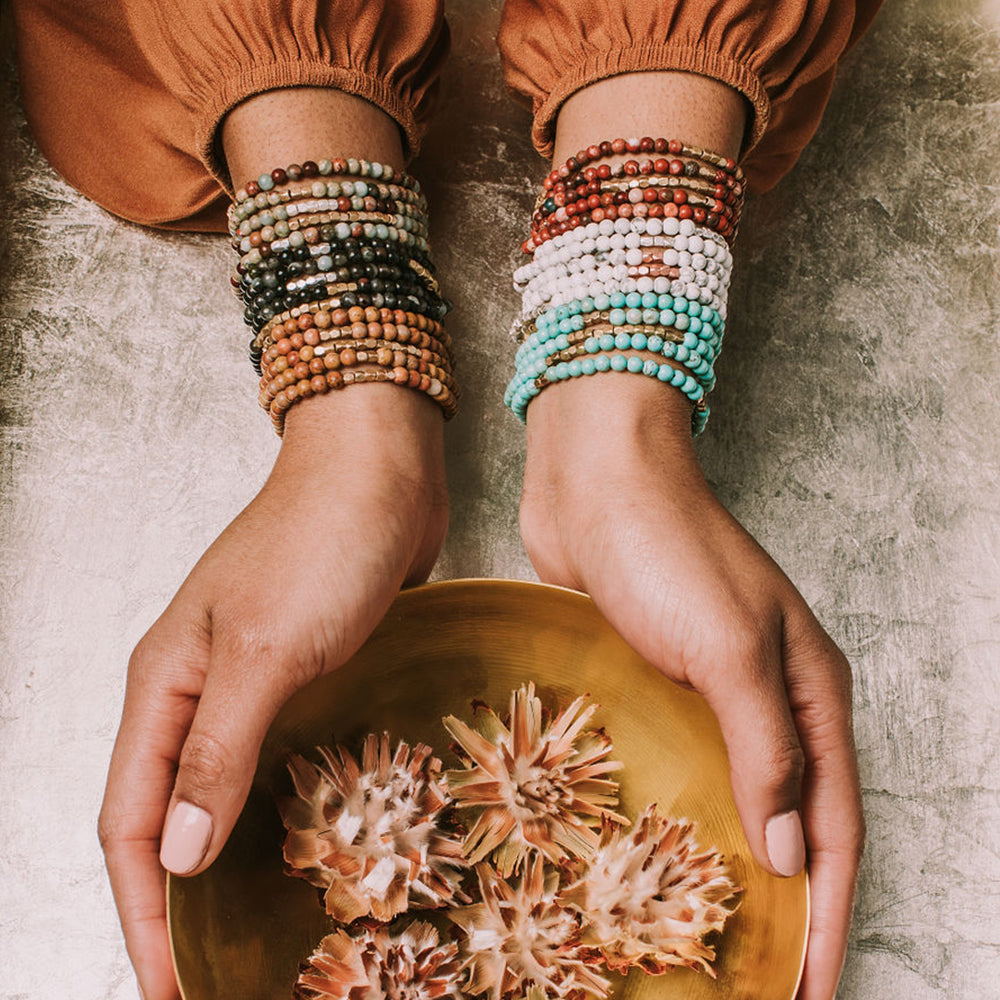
(866, 290)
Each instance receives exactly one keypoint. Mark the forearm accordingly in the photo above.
(615, 503)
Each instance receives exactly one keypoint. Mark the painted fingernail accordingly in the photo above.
(786, 846)
(185, 839)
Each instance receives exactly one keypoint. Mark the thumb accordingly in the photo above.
(741, 677)
(219, 758)
(746, 691)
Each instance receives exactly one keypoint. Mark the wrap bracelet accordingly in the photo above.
(337, 283)
(614, 248)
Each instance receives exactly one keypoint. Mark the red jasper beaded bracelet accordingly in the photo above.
(619, 147)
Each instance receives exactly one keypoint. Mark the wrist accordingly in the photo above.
(611, 434)
(605, 414)
(372, 430)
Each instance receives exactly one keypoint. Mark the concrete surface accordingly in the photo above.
(866, 288)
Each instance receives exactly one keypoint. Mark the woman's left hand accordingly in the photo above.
(615, 505)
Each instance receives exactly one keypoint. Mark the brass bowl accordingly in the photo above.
(241, 928)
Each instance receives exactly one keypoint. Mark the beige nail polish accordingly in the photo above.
(786, 845)
(185, 838)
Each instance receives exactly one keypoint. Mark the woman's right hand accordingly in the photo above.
(355, 507)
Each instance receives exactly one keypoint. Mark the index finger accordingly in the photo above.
(160, 700)
(819, 689)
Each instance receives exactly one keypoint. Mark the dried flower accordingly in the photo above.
(378, 965)
(534, 784)
(648, 898)
(370, 836)
(520, 937)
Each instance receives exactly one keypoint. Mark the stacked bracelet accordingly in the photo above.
(337, 283)
(629, 269)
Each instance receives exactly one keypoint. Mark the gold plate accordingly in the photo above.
(241, 928)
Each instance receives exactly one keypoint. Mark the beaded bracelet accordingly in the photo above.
(275, 204)
(334, 240)
(520, 396)
(342, 231)
(302, 373)
(324, 268)
(262, 291)
(389, 333)
(308, 225)
(328, 356)
(572, 361)
(286, 354)
(590, 179)
(303, 288)
(333, 380)
(618, 147)
(599, 335)
(602, 267)
(628, 236)
(698, 366)
(340, 253)
(587, 253)
(405, 328)
(585, 265)
(529, 383)
(702, 211)
(704, 187)
(571, 316)
(364, 292)
(351, 166)
(625, 257)
(338, 312)
(649, 293)
(280, 217)
(649, 189)
(701, 342)
(282, 233)
(704, 294)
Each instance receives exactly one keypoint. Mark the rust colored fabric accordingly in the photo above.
(125, 97)
(780, 54)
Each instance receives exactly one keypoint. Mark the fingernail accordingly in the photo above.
(185, 839)
(142, 996)
(786, 846)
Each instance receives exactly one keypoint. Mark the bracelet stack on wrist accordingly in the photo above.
(629, 271)
(337, 283)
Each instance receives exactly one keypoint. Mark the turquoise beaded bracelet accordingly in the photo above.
(518, 397)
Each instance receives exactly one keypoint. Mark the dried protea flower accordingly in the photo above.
(649, 897)
(521, 938)
(533, 784)
(369, 836)
(378, 965)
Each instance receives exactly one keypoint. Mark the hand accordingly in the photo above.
(615, 504)
(355, 506)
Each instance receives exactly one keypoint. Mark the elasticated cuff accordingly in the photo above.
(260, 78)
(650, 57)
